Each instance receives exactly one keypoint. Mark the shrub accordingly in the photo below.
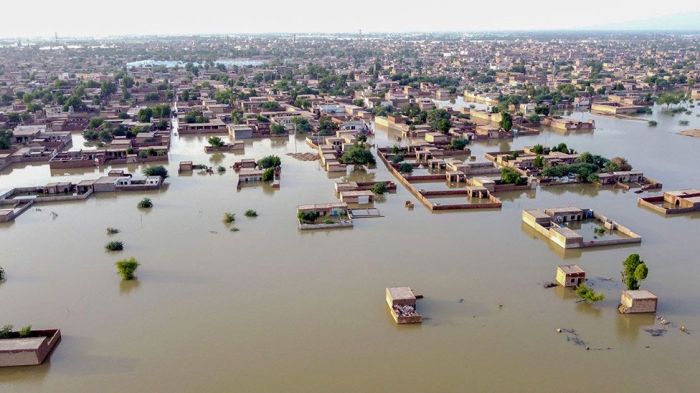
(156, 171)
(588, 294)
(229, 218)
(251, 213)
(6, 331)
(25, 331)
(653, 123)
(268, 174)
(2, 274)
(307, 217)
(234, 229)
(216, 141)
(405, 168)
(358, 155)
(379, 188)
(397, 158)
(114, 246)
(269, 162)
(112, 231)
(221, 169)
(511, 176)
(458, 144)
(145, 203)
(126, 268)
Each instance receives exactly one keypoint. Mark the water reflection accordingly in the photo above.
(128, 286)
(629, 326)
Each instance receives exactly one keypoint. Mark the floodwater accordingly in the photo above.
(272, 309)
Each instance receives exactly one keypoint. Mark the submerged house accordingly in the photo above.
(639, 301)
(570, 275)
(402, 305)
(673, 202)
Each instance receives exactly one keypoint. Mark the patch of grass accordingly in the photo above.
(126, 268)
(251, 213)
(6, 331)
(25, 331)
(114, 246)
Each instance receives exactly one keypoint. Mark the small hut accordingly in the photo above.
(570, 275)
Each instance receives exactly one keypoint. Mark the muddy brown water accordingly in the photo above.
(272, 309)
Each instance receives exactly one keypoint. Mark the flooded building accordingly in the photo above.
(570, 276)
(402, 305)
(639, 301)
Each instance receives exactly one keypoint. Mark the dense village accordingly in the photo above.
(449, 108)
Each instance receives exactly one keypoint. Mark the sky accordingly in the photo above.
(99, 18)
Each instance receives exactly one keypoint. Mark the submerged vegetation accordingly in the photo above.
(229, 218)
(126, 268)
(588, 294)
(145, 203)
(114, 246)
(251, 213)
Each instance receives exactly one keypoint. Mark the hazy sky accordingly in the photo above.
(134, 17)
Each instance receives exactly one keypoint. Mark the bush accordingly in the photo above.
(379, 188)
(268, 174)
(145, 203)
(397, 158)
(126, 268)
(251, 213)
(459, 144)
(588, 294)
(25, 331)
(229, 218)
(511, 176)
(6, 331)
(405, 168)
(234, 229)
(156, 171)
(653, 123)
(112, 231)
(221, 169)
(216, 141)
(308, 217)
(114, 246)
(269, 162)
(358, 155)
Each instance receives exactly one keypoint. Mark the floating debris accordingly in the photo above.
(304, 156)
(656, 332)
(460, 301)
(549, 284)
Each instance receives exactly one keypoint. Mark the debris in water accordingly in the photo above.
(460, 300)
(656, 332)
(549, 284)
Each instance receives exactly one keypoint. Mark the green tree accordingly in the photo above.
(506, 121)
(144, 115)
(379, 188)
(511, 176)
(268, 174)
(357, 155)
(405, 167)
(158, 170)
(216, 141)
(270, 161)
(634, 271)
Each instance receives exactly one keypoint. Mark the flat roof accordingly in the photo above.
(571, 269)
(356, 193)
(401, 293)
(640, 294)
